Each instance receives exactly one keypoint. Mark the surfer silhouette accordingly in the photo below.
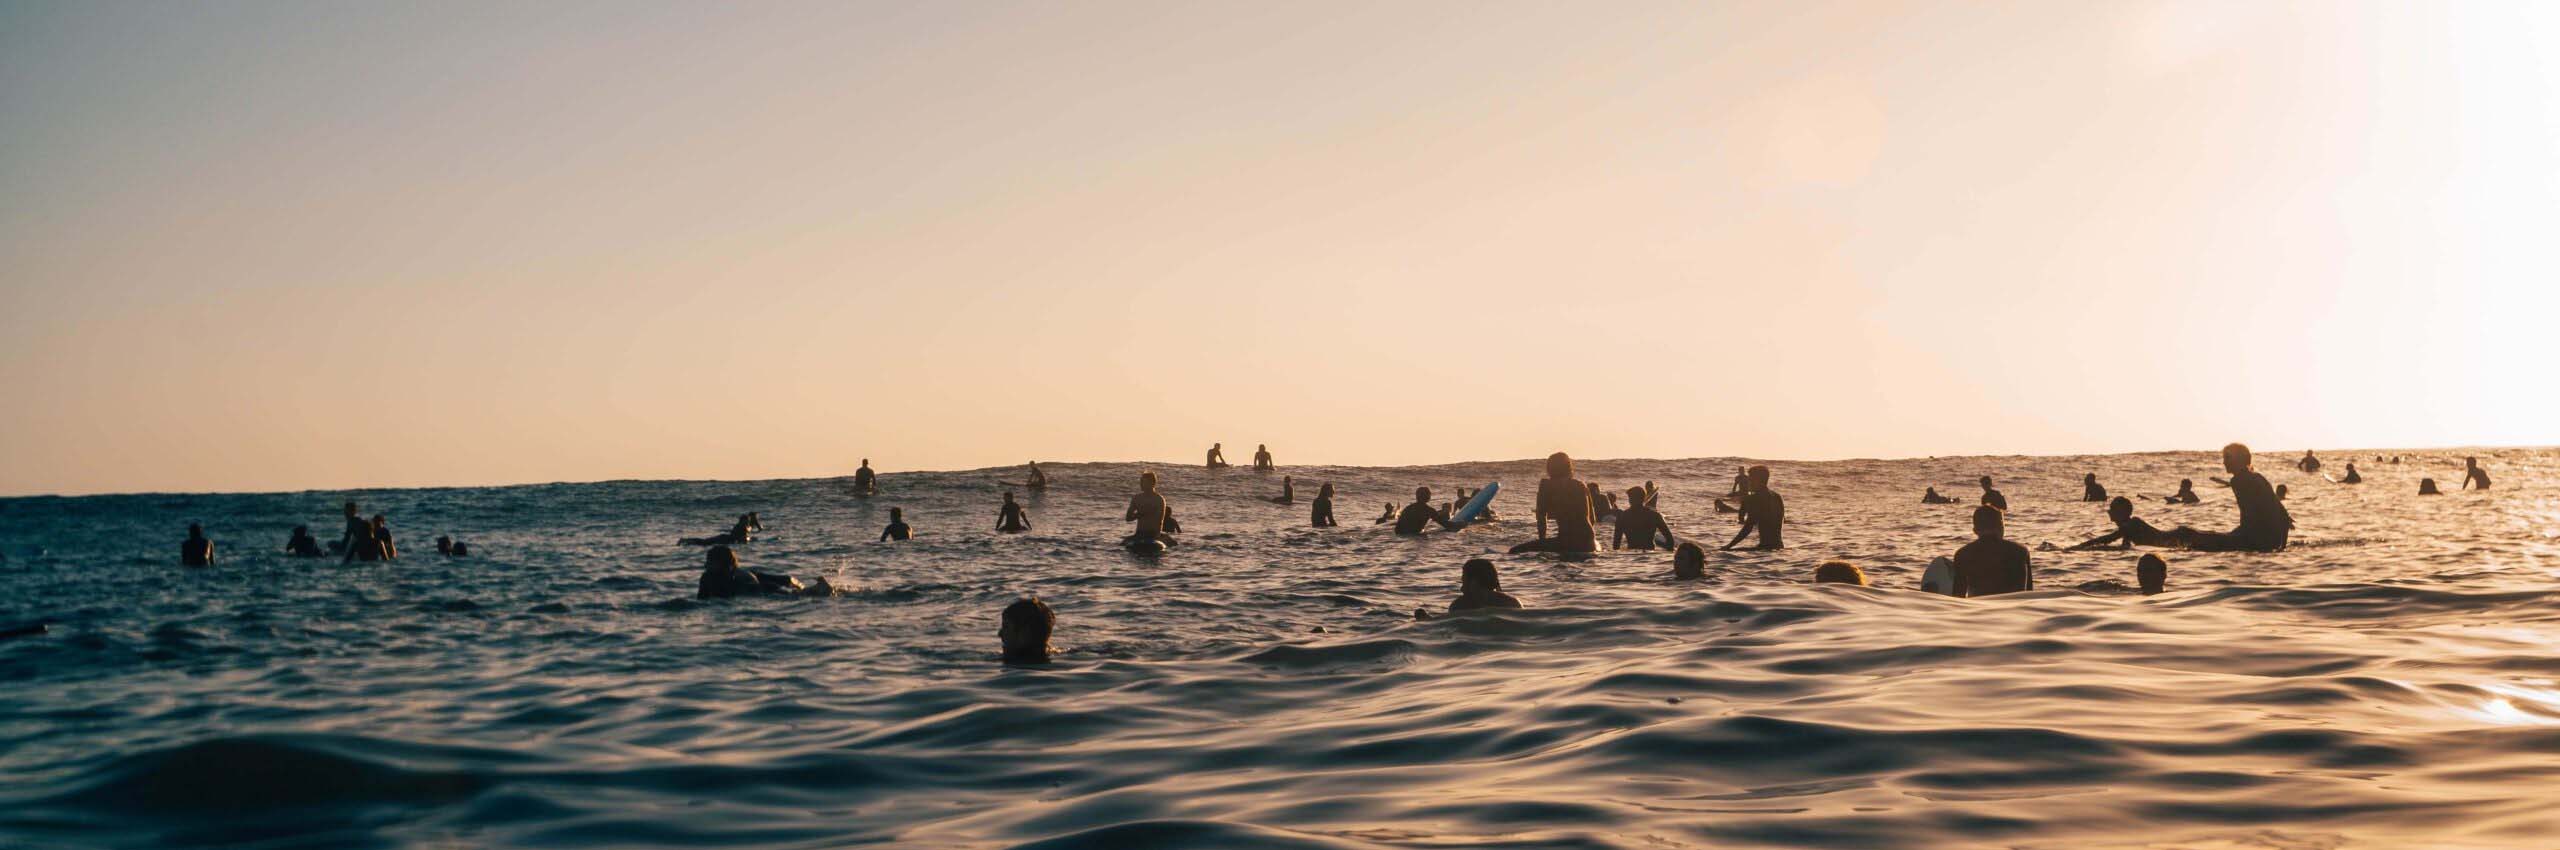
(1639, 526)
(195, 551)
(1322, 514)
(1009, 516)
(1763, 511)
(2472, 474)
(1479, 587)
(1991, 565)
(1023, 630)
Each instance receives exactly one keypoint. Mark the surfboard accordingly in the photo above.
(1940, 577)
(1468, 512)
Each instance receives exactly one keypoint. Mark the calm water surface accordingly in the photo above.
(2387, 682)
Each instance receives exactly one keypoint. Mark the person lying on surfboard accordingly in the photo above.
(1932, 498)
(2131, 531)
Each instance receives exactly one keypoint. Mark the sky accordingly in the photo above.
(279, 246)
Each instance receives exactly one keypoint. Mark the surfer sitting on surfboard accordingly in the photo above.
(1038, 480)
(1566, 501)
(1009, 517)
(1288, 491)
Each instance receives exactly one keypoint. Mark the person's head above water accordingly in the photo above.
(2235, 458)
(897, 515)
(2186, 484)
(1008, 497)
(1689, 561)
(1839, 572)
(351, 510)
(1988, 524)
(1635, 497)
(195, 531)
(2152, 572)
(2427, 487)
(1147, 482)
(1024, 631)
(302, 531)
(1986, 482)
(1759, 476)
(719, 559)
(1421, 494)
(2091, 478)
(1478, 576)
(2119, 509)
(1325, 492)
(1559, 466)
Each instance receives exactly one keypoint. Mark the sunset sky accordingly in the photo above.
(262, 246)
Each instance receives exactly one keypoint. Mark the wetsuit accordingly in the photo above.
(1322, 514)
(1417, 514)
(1994, 499)
(196, 552)
(1010, 519)
(1765, 512)
(2265, 525)
(1638, 527)
(2092, 492)
(895, 531)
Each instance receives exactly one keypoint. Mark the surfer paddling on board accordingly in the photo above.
(1009, 516)
(1932, 497)
(1217, 456)
(1763, 511)
(2265, 526)
(1322, 514)
(2131, 531)
(1640, 527)
(1568, 503)
(1148, 510)
(1414, 517)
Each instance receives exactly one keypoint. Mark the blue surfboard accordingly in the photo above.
(1468, 512)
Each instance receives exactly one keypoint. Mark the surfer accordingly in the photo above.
(1038, 480)
(302, 545)
(196, 551)
(740, 532)
(1421, 511)
(2309, 463)
(1741, 482)
(1991, 565)
(1217, 456)
(444, 545)
(1322, 514)
(1385, 516)
(2186, 494)
(1009, 517)
(1603, 505)
(1149, 511)
(1261, 458)
(1479, 587)
(2281, 492)
(382, 539)
(2352, 476)
(2427, 487)
(864, 481)
(1024, 630)
(1639, 526)
(897, 529)
(722, 578)
(1929, 498)
(1765, 512)
(1568, 503)
(1993, 497)
(2152, 573)
(2133, 532)
(1839, 572)
(1288, 491)
(2473, 474)
(1689, 562)
(2264, 523)
(358, 542)
(461, 549)
(2091, 490)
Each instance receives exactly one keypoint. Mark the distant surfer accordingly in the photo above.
(2186, 494)
(1420, 513)
(722, 578)
(1931, 497)
(1023, 630)
(357, 545)
(2265, 525)
(302, 545)
(2131, 532)
(1009, 516)
(382, 545)
(897, 528)
(1148, 510)
(1261, 458)
(1741, 482)
(2473, 475)
(2427, 487)
(1322, 514)
(1689, 562)
(1603, 506)
(1479, 588)
(2152, 574)
(195, 551)
(1839, 572)
(1991, 496)
(864, 480)
(2352, 476)
(1991, 565)
(1641, 527)
(1217, 456)
(1764, 512)
(2309, 464)
(1386, 516)
(2091, 490)
(1038, 480)
(1288, 491)
(1563, 499)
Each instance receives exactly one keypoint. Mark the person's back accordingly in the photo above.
(302, 544)
(1262, 457)
(1640, 525)
(196, 551)
(1569, 505)
(1991, 565)
(1480, 587)
(1009, 517)
(2472, 475)
(863, 479)
(2264, 521)
(1321, 516)
(2352, 476)
(1992, 496)
(1764, 513)
(2091, 490)
(1147, 508)
(897, 529)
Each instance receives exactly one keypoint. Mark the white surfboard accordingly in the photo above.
(1940, 577)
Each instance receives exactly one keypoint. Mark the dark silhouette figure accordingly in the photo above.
(1288, 491)
(382, 539)
(1479, 587)
(2281, 492)
(1037, 480)
(461, 549)
(358, 544)
(1217, 456)
(1418, 515)
(865, 482)
(2091, 490)
(2472, 475)
(1322, 514)
(196, 551)
(1149, 511)
(2427, 487)
(1262, 458)
(1741, 483)
(2186, 494)
(1764, 512)
(1566, 501)
(2309, 464)
(739, 532)
(1929, 498)
(1640, 526)
(1991, 565)
(1024, 631)
(1689, 562)
(1009, 516)
(1991, 496)
(302, 545)
(1603, 506)
(2133, 532)
(2352, 476)
(722, 578)
(444, 545)
(1387, 516)
(2152, 574)
(897, 529)
(2264, 523)
(1839, 572)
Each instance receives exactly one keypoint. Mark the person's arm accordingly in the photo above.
(1745, 530)
(1133, 511)
(1662, 526)
(884, 535)
(1541, 509)
(1618, 538)
(1957, 586)
(2100, 541)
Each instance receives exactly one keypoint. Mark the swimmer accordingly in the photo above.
(1993, 497)
(897, 529)
(444, 545)
(722, 578)
(2265, 525)
(1386, 516)
(864, 480)
(1839, 572)
(2281, 492)
(2133, 532)
(1217, 456)
(1038, 480)
(1991, 565)
(1929, 498)
(1322, 515)
(1261, 458)
(2473, 474)
(1288, 491)
(1009, 517)
(1149, 511)
(2091, 490)
(461, 549)
(358, 542)
(2186, 494)
(382, 539)
(1639, 526)
(1024, 630)
(1421, 511)
(1689, 562)
(2152, 574)
(1566, 501)
(2352, 477)
(1479, 587)
(1763, 511)
(2427, 487)
(196, 551)
(2309, 463)
(302, 545)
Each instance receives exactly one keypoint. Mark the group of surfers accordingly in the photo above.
(365, 539)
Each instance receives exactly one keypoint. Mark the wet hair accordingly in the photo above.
(195, 530)
(1325, 492)
(2089, 477)
(1987, 523)
(1479, 571)
(1024, 628)
(718, 564)
(302, 531)
(1758, 474)
(2152, 573)
(1147, 480)
(2426, 486)
(1839, 572)
(1689, 561)
(2280, 491)
(1422, 494)
(2119, 505)
(1635, 495)
(2186, 484)
(2236, 453)
(1559, 466)
(1986, 481)
(351, 506)
(719, 558)
(897, 514)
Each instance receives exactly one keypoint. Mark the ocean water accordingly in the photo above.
(2387, 682)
